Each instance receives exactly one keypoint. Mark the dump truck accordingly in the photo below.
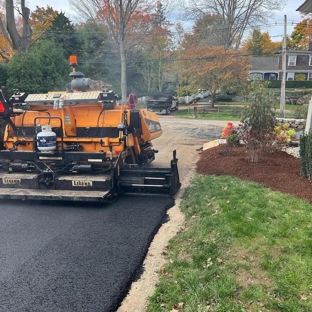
(78, 145)
(162, 102)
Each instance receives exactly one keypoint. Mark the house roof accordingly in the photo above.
(264, 63)
(306, 7)
(297, 52)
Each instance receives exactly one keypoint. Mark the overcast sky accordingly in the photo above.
(276, 28)
(293, 17)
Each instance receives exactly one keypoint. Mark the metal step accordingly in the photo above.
(72, 182)
(149, 180)
(26, 194)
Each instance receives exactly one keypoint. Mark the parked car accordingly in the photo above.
(162, 103)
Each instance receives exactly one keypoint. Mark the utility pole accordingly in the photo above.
(283, 83)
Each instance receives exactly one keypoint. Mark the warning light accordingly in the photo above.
(2, 108)
(73, 60)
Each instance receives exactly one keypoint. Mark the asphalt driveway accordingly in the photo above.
(74, 257)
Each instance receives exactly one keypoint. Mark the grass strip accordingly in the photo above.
(243, 248)
(232, 111)
(211, 115)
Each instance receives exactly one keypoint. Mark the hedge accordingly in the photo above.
(290, 84)
(306, 155)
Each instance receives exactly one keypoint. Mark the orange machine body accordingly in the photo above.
(82, 120)
(79, 145)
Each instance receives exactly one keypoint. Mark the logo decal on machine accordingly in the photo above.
(67, 119)
(82, 183)
(153, 126)
(11, 181)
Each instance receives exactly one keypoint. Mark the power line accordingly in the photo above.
(208, 58)
(263, 26)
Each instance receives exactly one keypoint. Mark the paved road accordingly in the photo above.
(65, 257)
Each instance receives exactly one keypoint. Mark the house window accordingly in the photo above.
(272, 77)
(292, 60)
(310, 60)
(255, 76)
(309, 76)
(290, 76)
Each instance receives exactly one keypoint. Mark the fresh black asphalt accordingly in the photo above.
(59, 257)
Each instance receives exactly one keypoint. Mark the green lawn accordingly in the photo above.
(244, 104)
(243, 248)
(233, 111)
(224, 113)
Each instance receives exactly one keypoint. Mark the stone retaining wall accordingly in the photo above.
(297, 124)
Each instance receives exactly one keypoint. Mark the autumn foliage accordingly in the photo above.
(6, 52)
(135, 27)
(41, 19)
(214, 68)
(300, 35)
(260, 44)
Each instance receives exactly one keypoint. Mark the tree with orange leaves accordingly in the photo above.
(299, 38)
(40, 20)
(260, 44)
(214, 69)
(18, 34)
(5, 47)
(6, 51)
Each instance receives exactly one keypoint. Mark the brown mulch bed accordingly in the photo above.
(278, 171)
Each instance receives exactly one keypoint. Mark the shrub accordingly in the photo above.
(283, 135)
(300, 77)
(232, 141)
(40, 69)
(259, 118)
(223, 97)
(305, 150)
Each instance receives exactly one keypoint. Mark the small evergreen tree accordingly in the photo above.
(95, 48)
(3, 74)
(63, 33)
(41, 69)
(256, 46)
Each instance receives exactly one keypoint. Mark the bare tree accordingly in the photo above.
(235, 15)
(117, 15)
(209, 31)
(19, 42)
(86, 9)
